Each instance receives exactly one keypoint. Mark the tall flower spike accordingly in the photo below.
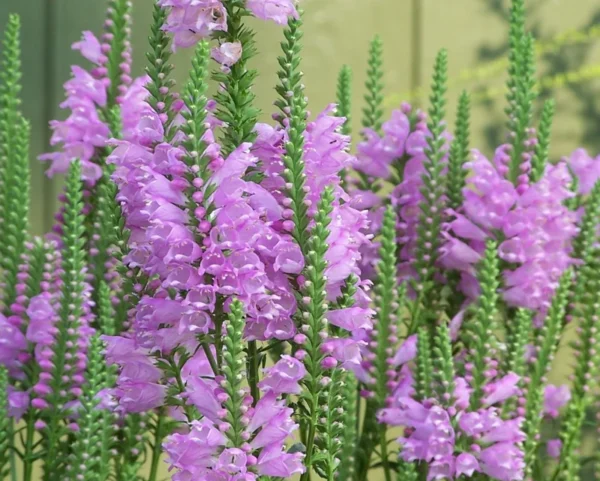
(584, 244)
(516, 34)
(540, 155)
(482, 328)
(444, 364)
(313, 317)
(430, 219)
(90, 454)
(133, 442)
(459, 152)
(330, 428)
(65, 357)
(14, 161)
(234, 360)
(386, 300)
(235, 97)
(373, 111)
(16, 208)
(294, 168)
(159, 67)
(118, 32)
(585, 302)
(520, 115)
(349, 421)
(386, 290)
(290, 76)
(586, 372)
(195, 118)
(424, 365)
(548, 339)
(518, 334)
(10, 89)
(344, 98)
(5, 425)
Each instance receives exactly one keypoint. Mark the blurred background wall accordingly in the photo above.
(338, 32)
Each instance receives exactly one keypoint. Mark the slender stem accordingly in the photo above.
(29, 447)
(157, 448)
(13, 459)
(310, 440)
(384, 453)
(211, 358)
(253, 371)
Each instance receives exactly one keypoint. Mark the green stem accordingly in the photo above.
(253, 371)
(211, 358)
(156, 448)
(13, 459)
(310, 440)
(384, 453)
(27, 457)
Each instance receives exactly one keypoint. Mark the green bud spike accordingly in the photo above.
(444, 365)
(549, 337)
(294, 170)
(16, 209)
(540, 155)
(373, 111)
(10, 90)
(348, 290)
(294, 165)
(430, 220)
(90, 454)
(516, 34)
(424, 363)
(349, 422)
(313, 315)
(386, 290)
(70, 313)
(459, 153)
(234, 361)
(290, 76)
(344, 98)
(5, 425)
(159, 67)
(482, 330)
(195, 119)
(119, 26)
(330, 428)
(518, 334)
(132, 447)
(586, 372)
(407, 471)
(521, 112)
(236, 99)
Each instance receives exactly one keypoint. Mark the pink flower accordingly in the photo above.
(276, 10)
(502, 389)
(228, 53)
(407, 351)
(555, 397)
(90, 48)
(284, 376)
(554, 447)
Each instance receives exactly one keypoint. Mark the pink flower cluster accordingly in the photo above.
(206, 452)
(84, 133)
(535, 226)
(490, 444)
(193, 20)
